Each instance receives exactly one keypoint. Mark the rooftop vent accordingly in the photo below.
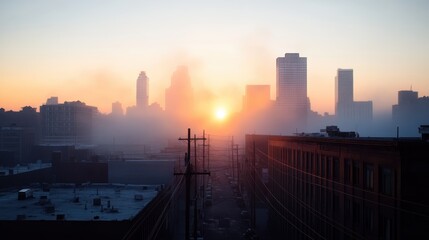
(424, 131)
(96, 202)
(25, 193)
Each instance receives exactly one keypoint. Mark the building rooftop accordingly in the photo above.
(102, 202)
(4, 171)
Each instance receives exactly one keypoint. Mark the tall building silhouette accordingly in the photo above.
(117, 109)
(142, 96)
(179, 96)
(410, 112)
(344, 93)
(67, 123)
(349, 112)
(291, 91)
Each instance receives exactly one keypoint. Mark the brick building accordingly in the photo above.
(344, 188)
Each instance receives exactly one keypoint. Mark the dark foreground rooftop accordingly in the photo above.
(86, 202)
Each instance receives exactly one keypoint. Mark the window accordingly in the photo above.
(336, 175)
(356, 213)
(347, 208)
(356, 173)
(336, 205)
(369, 218)
(387, 231)
(329, 167)
(307, 164)
(322, 170)
(347, 171)
(369, 176)
(386, 181)
(318, 164)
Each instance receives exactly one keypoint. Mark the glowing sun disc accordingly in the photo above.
(220, 113)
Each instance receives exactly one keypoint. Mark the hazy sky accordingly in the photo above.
(93, 51)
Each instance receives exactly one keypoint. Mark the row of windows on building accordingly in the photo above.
(306, 181)
(357, 173)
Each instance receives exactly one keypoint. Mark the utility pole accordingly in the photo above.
(254, 187)
(208, 154)
(188, 173)
(204, 145)
(232, 157)
(204, 161)
(196, 189)
(237, 167)
(204, 178)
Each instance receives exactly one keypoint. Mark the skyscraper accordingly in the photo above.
(67, 123)
(142, 97)
(344, 93)
(349, 113)
(410, 112)
(291, 88)
(179, 96)
(117, 109)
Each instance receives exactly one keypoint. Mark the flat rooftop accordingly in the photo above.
(5, 171)
(101, 202)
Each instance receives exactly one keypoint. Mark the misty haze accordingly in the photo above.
(244, 120)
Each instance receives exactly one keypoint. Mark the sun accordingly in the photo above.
(221, 113)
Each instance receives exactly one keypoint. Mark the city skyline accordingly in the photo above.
(92, 52)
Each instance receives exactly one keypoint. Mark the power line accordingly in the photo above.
(340, 191)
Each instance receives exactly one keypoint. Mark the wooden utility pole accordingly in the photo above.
(232, 158)
(237, 166)
(188, 173)
(196, 189)
(254, 187)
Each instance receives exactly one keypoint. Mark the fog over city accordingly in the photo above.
(240, 119)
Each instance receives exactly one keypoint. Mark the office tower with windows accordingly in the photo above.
(142, 96)
(291, 91)
(350, 113)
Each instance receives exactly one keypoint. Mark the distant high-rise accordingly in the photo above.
(142, 96)
(52, 101)
(344, 93)
(67, 123)
(117, 109)
(291, 88)
(350, 113)
(407, 97)
(410, 112)
(179, 96)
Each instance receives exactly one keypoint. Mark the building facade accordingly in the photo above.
(410, 112)
(142, 91)
(179, 96)
(344, 93)
(291, 82)
(345, 188)
(350, 113)
(67, 123)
